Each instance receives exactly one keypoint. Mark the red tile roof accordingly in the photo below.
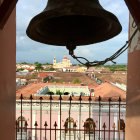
(33, 88)
(108, 90)
(104, 90)
(45, 74)
(29, 69)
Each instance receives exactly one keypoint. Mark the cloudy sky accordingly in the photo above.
(31, 51)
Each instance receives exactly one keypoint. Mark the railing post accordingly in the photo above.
(41, 117)
(21, 98)
(60, 99)
(45, 130)
(119, 114)
(70, 99)
(89, 113)
(80, 99)
(31, 115)
(51, 117)
(104, 126)
(26, 124)
(36, 130)
(99, 115)
(109, 116)
(55, 125)
(75, 130)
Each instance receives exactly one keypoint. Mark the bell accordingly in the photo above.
(76, 22)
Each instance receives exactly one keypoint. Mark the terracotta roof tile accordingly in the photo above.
(33, 88)
(108, 90)
(105, 91)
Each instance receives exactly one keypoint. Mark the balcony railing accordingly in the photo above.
(70, 118)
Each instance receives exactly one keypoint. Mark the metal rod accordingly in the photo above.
(94, 126)
(89, 115)
(36, 130)
(50, 117)
(45, 133)
(55, 125)
(41, 117)
(99, 115)
(80, 110)
(119, 115)
(75, 131)
(21, 97)
(26, 129)
(31, 114)
(69, 122)
(45, 130)
(104, 126)
(60, 115)
(109, 117)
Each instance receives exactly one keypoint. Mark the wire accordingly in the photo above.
(111, 58)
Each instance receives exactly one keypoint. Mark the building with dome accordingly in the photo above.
(65, 63)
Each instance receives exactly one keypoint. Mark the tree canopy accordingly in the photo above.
(39, 66)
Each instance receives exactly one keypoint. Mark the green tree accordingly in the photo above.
(58, 92)
(39, 67)
(34, 75)
(24, 63)
(46, 63)
(21, 69)
(76, 81)
(52, 69)
(46, 79)
(55, 81)
(36, 63)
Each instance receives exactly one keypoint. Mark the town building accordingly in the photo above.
(65, 63)
(74, 69)
(25, 66)
(39, 89)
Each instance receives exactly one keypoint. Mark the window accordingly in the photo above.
(21, 124)
(121, 125)
(89, 126)
(69, 125)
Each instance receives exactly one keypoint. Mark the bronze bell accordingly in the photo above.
(76, 22)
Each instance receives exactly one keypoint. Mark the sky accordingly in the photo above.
(31, 51)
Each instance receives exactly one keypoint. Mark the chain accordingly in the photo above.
(111, 58)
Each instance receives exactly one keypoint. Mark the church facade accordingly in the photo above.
(65, 63)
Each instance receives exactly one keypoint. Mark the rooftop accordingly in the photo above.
(104, 90)
(119, 77)
(109, 90)
(33, 88)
